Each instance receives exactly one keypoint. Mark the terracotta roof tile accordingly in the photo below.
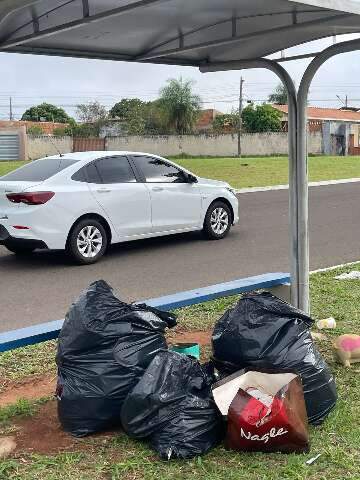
(317, 113)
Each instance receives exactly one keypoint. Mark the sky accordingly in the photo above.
(31, 79)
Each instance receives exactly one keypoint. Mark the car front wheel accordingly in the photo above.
(217, 222)
(87, 242)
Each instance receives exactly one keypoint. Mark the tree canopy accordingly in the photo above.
(261, 118)
(279, 96)
(133, 113)
(180, 105)
(91, 112)
(227, 123)
(127, 108)
(46, 112)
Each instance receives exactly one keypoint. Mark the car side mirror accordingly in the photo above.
(190, 178)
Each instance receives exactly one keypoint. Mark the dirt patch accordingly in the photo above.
(42, 433)
(33, 388)
(202, 338)
(30, 388)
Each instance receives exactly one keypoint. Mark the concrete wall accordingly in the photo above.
(211, 145)
(355, 130)
(315, 143)
(208, 145)
(39, 147)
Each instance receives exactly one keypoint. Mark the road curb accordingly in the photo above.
(335, 267)
(286, 187)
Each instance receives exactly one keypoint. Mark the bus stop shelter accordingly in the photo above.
(211, 35)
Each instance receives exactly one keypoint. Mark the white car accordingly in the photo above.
(83, 202)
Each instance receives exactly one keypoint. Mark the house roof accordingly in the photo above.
(182, 32)
(317, 113)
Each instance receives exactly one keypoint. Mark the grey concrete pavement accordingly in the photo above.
(40, 288)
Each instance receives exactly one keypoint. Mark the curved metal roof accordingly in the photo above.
(188, 32)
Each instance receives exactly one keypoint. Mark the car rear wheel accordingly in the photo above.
(87, 242)
(20, 250)
(217, 222)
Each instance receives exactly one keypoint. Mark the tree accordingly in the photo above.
(60, 131)
(138, 117)
(261, 118)
(35, 130)
(180, 105)
(93, 116)
(156, 118)
(132, 112)
(127, 108)
(46, 112)
(85, 130)
(91, 112)
(279, 96)
(227, 123)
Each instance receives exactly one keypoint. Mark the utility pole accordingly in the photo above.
(240, 115)
(11, 110)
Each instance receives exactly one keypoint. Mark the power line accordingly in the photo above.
(142, 93)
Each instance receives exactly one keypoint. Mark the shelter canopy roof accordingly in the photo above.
(185, 32)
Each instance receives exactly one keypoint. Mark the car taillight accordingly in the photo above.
(30, 198)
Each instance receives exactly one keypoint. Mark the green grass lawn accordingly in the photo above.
(119, 458)
(256, 172)
(260, 172)
(6, 167)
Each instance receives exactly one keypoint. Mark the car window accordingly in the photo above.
(115, 170)
(80, 175)
(40, 170)
(89, 173)
(156, 170)
(92, 173)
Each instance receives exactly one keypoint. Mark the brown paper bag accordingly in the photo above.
(265, 412)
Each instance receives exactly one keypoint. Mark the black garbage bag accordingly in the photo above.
(263, 332)
(172, 407)
(104, 348)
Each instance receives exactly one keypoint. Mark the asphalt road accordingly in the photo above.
(41, 287)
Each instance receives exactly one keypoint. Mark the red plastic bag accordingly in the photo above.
(265, 412)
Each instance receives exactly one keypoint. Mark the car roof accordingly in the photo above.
(97, 154)
(85, 157)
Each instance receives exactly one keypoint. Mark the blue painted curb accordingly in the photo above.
(50, 331)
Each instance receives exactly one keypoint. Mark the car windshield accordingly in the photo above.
(40, 170)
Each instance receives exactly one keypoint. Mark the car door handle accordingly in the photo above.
(104, 190)
(157, 189)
